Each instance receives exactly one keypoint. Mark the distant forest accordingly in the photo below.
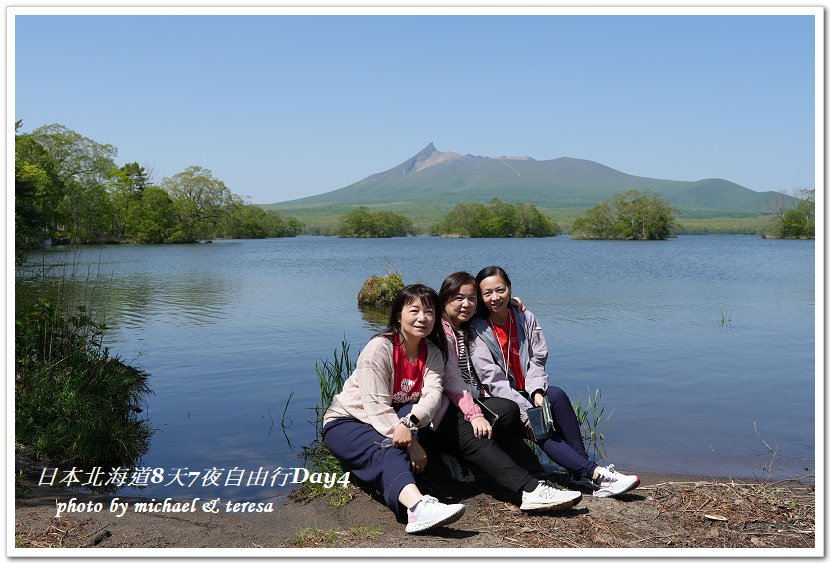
(68, 189)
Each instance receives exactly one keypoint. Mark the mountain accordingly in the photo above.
(432, 177)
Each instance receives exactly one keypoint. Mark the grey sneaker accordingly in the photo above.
(613, 483)
(430, 512)
(547, 497)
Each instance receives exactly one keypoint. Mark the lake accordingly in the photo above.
(703, 346)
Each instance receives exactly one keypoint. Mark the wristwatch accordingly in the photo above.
(410, 422)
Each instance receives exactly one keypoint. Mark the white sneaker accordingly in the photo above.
(456, 471)
(429, 513)
(547, 497)
(612, 483)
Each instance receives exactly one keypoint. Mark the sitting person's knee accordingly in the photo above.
(556, 394)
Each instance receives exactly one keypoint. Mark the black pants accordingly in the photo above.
(455, 436)
(510, 433)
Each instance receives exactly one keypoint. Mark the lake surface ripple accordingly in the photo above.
(703, 347)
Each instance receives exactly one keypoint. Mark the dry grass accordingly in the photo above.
(686, 514)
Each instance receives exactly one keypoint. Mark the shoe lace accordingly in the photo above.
(610, 474)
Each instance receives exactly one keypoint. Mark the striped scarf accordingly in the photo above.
(468, 373)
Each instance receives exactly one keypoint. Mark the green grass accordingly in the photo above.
(75, 404)
(309, 537)
(331, 374)
(592, 420)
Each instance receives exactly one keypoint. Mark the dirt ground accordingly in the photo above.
(665, 512)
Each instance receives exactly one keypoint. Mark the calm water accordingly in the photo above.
(229, 330)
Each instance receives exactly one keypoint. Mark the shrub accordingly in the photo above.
(74, 403)
(629, 216)
(380, 290)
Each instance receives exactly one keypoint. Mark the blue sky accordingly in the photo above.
(281, 107)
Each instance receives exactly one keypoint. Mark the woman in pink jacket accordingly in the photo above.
(463, 431)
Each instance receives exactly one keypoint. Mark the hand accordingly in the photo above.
(538, 398)
(402, 436)
(417, 457)
(517, 302)
(481, 428)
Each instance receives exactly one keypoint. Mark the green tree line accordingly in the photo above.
(629, 216)
(793, 221)
(69, 188)
(496, 220)
(362, 223)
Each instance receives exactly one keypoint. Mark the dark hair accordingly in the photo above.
(487, 272)
(450, 288)
(427, 296)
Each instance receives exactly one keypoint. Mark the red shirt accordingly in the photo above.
(409, 377)
(511, 352)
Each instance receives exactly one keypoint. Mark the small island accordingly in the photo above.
(496, 220)
(629, 216)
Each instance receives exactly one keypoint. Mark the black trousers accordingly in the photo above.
(488, 455)
(509, 432)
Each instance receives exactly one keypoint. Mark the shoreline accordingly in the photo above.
(666, 510)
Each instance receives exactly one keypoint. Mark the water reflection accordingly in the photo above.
(229, 330)
(374, 317)
(181, 301)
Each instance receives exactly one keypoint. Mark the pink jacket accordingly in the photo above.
(455, 389)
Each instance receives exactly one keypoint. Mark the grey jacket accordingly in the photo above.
(488, 359)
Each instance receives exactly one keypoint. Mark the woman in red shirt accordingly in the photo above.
(395, 389)
(509, 358)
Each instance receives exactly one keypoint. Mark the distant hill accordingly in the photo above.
(435, 179)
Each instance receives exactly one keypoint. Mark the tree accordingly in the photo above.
(126, 188)
(800, 221)
(153, 217)
(250, 221)
(531, 223)
(85, 167)
(793, 216)
(498, 219)
(37, 193)
(361, 222)
(201, 201)
(629, 216)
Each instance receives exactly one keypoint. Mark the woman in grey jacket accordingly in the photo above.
(509, 356)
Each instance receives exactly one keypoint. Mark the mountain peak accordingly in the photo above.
(428, 156)
(430, 148)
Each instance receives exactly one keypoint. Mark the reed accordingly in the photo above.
(331, 374)
(592, 420)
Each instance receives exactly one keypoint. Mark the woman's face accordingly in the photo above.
(416, 319)
(495, 294)
(462, 306)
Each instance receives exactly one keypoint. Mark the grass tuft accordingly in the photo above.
(380, 290)
(331, 375)
(74, 402)
(592, 421)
